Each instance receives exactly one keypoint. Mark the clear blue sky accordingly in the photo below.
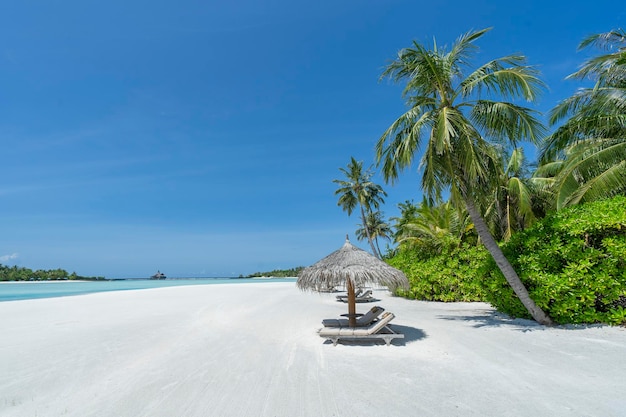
(201, 138)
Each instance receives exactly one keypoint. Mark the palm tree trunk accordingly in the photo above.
(509, 230)
(367, 232)
(505, 267)
(380, 254)
(351, 304)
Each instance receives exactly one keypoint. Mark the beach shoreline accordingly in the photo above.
(252, 350)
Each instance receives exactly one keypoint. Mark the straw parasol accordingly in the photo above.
(353, 267)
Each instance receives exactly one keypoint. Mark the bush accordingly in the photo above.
(573, 264)
(452, 275)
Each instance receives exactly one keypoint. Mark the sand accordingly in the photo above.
(252, 350)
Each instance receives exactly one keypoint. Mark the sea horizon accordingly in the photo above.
(31, 290)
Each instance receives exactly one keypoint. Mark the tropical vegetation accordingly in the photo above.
(358, 190)
(374, 228)
(547, 243)
(459, 119)
(586, 155)
(17, 273)
(573, 262)
(277, 273)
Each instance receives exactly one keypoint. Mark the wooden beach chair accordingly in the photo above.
(344, 297)
(365, 297)
(363, 321)
(377, 330)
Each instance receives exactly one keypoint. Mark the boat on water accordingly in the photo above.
(158, 275)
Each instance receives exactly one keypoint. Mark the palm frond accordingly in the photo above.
(614, 39)
(549, 169)
(607, 184)
(464, 46)
(397, 146)
(502, 120)
(516, 161)
(570, 105)
(515, 81)
(590, 163)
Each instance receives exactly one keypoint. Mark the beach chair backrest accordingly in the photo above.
(366, 294)
(370, 316)
(380, 324)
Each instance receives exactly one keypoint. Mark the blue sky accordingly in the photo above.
(201, 138)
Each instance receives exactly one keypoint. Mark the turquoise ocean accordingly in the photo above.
(11, 291)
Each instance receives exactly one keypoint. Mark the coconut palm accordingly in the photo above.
(511, 208)
(434, 227)
(451, 117)
(408, 214)
(587, 154)
(358, 190)
(377, 227)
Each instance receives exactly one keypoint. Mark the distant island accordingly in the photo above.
(18, 273)
(277, 273)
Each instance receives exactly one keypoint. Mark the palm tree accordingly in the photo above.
(511, 209)
(358, 190)
(433, 226)
(377, 227)
(450, 118)
(586, 155)
(408, 214)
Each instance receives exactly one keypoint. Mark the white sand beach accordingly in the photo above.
(252, 350)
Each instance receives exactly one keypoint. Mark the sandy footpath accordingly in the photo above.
(251, 350)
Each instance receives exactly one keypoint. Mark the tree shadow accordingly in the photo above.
(496, 319)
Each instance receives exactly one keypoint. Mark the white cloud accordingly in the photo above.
(5, 258)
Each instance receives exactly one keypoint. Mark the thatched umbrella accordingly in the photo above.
(353, 267)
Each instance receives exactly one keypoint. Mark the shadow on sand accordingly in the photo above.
(411, 334)
(496, 319)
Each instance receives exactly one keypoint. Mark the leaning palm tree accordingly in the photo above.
(377, 227)
(359, 190)
(589, 148)
(451, 117)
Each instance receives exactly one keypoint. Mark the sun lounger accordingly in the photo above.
(327, 289)
(363, 321)
(365, 297)
(377, 330)
(344, 297)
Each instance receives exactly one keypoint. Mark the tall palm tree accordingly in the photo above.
(587, 154)
(377, 227)
(449, 116)
(358, 190)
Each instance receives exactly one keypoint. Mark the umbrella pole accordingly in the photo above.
(351, 304)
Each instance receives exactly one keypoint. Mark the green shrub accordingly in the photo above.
(573, 264)
(452, 275)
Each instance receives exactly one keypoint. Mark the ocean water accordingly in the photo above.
(11, 291)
